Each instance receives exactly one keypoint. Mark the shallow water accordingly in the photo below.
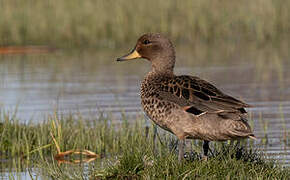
(38, 85)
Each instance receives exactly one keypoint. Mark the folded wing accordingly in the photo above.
(198, 96)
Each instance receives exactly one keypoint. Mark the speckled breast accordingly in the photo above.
(157, 109)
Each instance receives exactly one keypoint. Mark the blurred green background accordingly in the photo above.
(111, 23)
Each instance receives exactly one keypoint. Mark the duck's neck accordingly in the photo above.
(164, 65)
(157, 72)
(162, 70)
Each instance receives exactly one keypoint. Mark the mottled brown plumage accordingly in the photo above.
(187, 106)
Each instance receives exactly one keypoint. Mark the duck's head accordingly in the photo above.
(156, 48)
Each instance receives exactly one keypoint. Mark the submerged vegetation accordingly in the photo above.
(125, 151)
(108, 23)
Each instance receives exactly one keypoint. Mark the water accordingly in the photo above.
(38, 85)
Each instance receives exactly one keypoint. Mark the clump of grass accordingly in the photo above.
(75, 23)
(127, 151)
(140, 164)
(31, 140)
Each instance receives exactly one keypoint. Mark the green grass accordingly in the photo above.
(138, 164)
(110, 23)
(33, 140)
(126, 149)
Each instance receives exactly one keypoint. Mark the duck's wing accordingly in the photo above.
(197, 95)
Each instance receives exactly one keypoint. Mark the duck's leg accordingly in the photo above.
(154, 137)
(238, 143)
(205, 150)
(181, 149)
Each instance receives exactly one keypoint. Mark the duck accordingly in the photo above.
(185, 105)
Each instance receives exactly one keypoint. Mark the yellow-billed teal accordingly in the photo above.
(186, 106)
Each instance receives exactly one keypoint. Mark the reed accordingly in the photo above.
(109, 24)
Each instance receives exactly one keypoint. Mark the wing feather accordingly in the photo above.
(193, 91)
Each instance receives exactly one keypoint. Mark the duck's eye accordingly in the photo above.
(146, 41)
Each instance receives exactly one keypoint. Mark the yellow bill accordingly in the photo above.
(132, 55)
